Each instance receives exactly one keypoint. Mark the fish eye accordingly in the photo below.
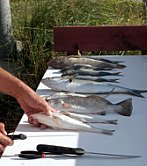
(70, 80)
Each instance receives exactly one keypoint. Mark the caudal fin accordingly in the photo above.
(120, 66)
(137, 92)
(101, 131)
(126, 107)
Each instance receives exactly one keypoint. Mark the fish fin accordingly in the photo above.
(107, 132)
(120, 66)
(103, 131)
(126, 107)
(114, 122)
(66, 105)
(109, 61)
(109, 93)
(100, 130)
(137, 92)
(112, 80)
(79, 54)
(117, 74)
(75, 117)
(111, 122)
(102, 113)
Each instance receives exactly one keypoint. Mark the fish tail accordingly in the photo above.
(126, 107)
(112, 80)
(120, 66)
(137, 92)
(102, 121)
(111, 122)
(116, 74)
(102, 131)
(107, 132)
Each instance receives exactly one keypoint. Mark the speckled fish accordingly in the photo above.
(63, 122)
(62, 61)
(88, 87)
(90, 105)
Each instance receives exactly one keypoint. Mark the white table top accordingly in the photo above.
(130, 136)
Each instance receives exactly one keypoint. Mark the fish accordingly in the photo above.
(60, 121)
(62, 61)
(89, 119)
(92, 78)
(106, 60)
(90, 105)
(82, 66)
(89, 87)
(89, 72)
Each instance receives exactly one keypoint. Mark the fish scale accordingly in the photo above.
(90, 105)
(60, 121)
(88, 87)
(62, 61)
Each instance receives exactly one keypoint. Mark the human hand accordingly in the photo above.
(32, 103)
(4, 140)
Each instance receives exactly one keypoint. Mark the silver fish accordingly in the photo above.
(82, 66)
(60, 121)
(90, 105)
(89, 119)
(106, 60)
(92, 78)
(97, 79)
(88, 87)
(62, 61)
(89, 72)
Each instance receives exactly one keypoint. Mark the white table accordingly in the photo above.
(130, 136)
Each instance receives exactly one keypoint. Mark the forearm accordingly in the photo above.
(28, 99)
(11, 85)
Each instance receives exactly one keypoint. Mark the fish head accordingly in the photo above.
(55, 83)
(57, 62)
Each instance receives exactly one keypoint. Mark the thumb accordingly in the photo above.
(2, 129)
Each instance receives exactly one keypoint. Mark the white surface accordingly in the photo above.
(130, 136)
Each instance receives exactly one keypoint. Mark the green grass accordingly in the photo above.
(33, 22)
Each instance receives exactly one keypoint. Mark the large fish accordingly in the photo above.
(60, 121)
(62, 61)
(90, 105)
(88, 87)
(82, 66)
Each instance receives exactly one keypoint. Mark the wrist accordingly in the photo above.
(21, 88)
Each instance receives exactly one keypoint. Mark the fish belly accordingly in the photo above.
(59, 121)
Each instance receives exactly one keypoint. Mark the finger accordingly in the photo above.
(4, 140)
(30, 120)
(43, 126)
(47, 109)
(33, 122)
(36, 123)
(2, 148)
(2, 129)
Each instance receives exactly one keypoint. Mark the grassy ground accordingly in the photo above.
(33, 21)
